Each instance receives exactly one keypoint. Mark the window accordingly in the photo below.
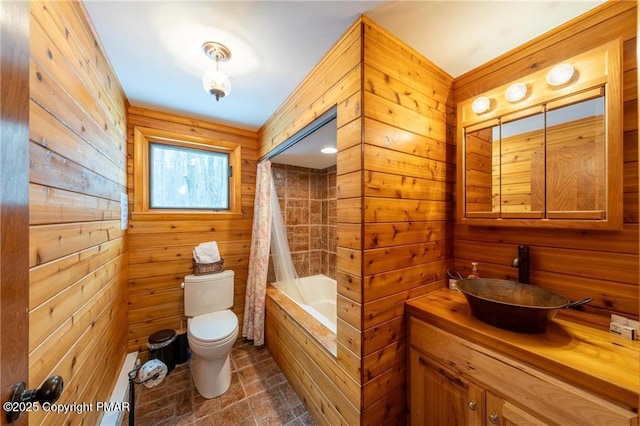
(181, 175)
(188, 178)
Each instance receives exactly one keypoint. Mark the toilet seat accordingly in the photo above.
(213, 328)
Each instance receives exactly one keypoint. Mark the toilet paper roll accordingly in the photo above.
(150, 369)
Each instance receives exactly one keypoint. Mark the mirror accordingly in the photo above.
(482, 171)
(550, 159)
(520, 176)
(575, 169)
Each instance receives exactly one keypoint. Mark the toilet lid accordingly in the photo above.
(213, 326)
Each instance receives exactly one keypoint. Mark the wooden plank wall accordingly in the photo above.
(77, 252)
(598, 264)
(160, 249)
(408, 176)
(336, 80)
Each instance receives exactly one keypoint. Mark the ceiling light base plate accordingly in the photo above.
(216, 51)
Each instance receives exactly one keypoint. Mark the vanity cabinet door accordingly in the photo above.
(502, 413)
(440, 397)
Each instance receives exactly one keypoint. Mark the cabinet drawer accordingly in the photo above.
(532, 390)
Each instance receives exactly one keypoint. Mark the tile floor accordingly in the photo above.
(259, 395)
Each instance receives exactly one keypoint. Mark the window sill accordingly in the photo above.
(187, 215)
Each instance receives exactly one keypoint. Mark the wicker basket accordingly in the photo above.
(207, 268)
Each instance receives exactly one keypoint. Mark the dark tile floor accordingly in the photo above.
(259, 395)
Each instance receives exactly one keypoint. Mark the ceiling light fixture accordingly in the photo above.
(481, 105)
(217, 82)
(516, 92)
(328, 150)
(560, 74)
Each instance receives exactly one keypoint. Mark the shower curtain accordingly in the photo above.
(254, 306)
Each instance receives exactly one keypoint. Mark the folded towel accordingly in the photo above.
(206, 253)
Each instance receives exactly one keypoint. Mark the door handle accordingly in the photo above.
(21, 397)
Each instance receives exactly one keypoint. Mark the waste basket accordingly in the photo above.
(162, 345)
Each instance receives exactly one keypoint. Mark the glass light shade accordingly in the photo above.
(560, 74)
(516, 92)
(217, 83)
(481, 104)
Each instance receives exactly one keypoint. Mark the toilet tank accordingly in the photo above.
(208, 293)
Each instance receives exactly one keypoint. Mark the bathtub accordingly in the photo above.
(316, 295)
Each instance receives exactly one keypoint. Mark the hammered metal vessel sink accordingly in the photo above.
(513, 306)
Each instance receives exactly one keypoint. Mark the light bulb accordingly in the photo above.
(481, 104)
(560, 74)
(516, 92)
(217, 83)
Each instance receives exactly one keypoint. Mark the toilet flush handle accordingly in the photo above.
(181, 285)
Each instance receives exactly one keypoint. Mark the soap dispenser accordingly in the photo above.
(474, 270)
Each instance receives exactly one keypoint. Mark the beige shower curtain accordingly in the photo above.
(254, 306)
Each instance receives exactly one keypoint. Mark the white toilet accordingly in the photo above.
(212, 330)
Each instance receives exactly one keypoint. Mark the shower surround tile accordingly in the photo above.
(309, 213)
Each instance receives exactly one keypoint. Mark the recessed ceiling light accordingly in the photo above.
(328, 150)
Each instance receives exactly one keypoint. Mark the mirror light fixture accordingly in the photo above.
(481, 105)
(560, 74)
(516, 92)
(216, 82)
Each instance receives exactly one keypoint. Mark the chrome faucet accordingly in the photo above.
(522, 263)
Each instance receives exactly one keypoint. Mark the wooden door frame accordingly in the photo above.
(14, 197)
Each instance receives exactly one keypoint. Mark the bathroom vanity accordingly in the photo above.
(465, 372)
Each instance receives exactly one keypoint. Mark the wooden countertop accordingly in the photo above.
(595, 360)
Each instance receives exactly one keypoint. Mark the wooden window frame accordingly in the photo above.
(142, 137)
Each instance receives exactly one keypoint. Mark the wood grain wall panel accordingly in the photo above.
(96, 74)
(349, 311)
(349, 160)
(377, 184)
(391, 409)
(45, 129)
(349, 286)
(60, 68)
(47, 166)
(390, 307)
(48, 94)
(49, 205)
(349, 235)
(384, 160)
(407, 183)
(51, 314)
(377, 210)
(77, 254)
(401, 233)
(383, 360)
(50, 242)
(350, 134)
(160, 249)
(85, 361)
(598, 264)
